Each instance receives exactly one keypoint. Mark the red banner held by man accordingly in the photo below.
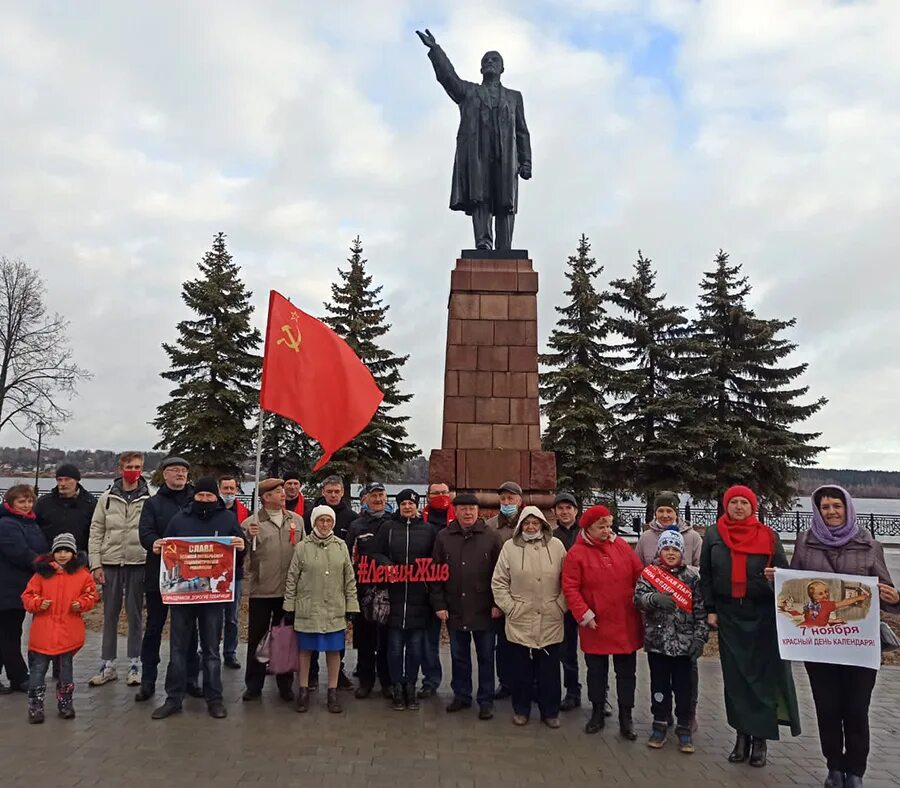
(311, 376)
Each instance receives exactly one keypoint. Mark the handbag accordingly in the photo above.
(264, 649)
(283, 650)
(376, 605)
(889, 639)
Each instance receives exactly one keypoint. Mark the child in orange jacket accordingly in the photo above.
(59, 592)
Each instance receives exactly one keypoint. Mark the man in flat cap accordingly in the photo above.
(272, 532)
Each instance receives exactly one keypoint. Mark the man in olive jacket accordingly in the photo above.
(470, 549)
(272, 533)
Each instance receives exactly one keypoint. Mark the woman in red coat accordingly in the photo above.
(598, 580)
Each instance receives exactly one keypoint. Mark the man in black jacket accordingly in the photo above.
(158, 510)
(67, 508)
(333, 496)
(205, 516)
(438, 513)
(369, 637)
(565, 507)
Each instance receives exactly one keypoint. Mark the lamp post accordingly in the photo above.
(37, 464)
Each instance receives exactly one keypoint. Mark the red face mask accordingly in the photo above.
(439, 502)
(130, 477)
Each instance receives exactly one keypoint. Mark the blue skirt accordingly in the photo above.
(319, 641)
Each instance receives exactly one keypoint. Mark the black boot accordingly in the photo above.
(332, 703)
(64, 701)
(741, 750)
(835, 779)
(409, 697)
(597, 721)
(626, 725)
(758, 752)
(302, 700)
(397, 702)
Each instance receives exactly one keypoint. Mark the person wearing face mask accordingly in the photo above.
(67, 508)
(205, 516)
(438, 513)
(117, 560)
(174, 494)
(759, 687)
(403, 540)
(228, 489)
(599, 576)
(504, 523)
(369, 637)
(665, 515)
(527, 587)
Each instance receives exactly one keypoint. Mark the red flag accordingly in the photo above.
(311, 376)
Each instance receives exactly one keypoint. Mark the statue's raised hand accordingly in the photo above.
(427, 38)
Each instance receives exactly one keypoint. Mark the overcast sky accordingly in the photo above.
(133, 132)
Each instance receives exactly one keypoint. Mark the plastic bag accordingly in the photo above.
(283, 651)
(264, 649)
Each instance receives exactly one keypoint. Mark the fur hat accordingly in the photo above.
(671, 537)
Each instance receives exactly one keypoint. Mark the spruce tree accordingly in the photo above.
(649, 400)
(747, 400)
(286, 447)
(216, 370)
(573, 388)
(356, 313)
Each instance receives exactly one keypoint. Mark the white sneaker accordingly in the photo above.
(134, 676)
(104, 676)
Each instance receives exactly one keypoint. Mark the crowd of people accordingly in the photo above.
(526, 593)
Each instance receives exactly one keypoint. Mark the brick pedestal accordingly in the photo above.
(491, 429)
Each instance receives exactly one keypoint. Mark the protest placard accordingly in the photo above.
(195, 570)
(825, 617)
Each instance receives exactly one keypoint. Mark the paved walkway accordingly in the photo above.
(113, 742)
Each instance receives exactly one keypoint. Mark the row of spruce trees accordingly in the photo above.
(637, 397)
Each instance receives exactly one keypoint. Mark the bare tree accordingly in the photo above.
(36, 365)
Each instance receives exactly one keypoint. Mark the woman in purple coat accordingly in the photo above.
(835, 543)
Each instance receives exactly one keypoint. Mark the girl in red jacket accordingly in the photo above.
(59, 592)
(598, 579)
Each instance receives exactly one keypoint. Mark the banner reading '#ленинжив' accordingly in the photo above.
(195, 570)
(825, 617)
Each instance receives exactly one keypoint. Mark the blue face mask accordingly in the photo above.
(228, 498)
(508, 509)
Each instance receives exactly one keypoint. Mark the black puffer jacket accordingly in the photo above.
(21, 541)
(400, 542)
(58, 515)
(158, 510)
(361, 541)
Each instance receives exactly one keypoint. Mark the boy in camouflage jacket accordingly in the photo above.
(675, 631)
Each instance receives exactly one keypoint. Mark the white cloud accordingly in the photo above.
(133, 134)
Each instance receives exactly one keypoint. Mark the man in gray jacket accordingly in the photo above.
(117, 561)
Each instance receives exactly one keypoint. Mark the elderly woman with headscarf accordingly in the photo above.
(527, 588)
(836, 543)
(319, 593)
(599, 576)
(759, 688)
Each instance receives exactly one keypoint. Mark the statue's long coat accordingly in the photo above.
(471, 167)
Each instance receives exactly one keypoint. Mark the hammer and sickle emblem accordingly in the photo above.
(292, 341)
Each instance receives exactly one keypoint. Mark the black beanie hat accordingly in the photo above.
(206, 484)
(68, 469)
(291, 476)
(408, 495)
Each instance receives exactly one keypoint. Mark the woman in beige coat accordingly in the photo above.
(527, 588)
(319, 593)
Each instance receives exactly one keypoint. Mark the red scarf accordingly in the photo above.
(31, 515)
(743, 538)
(664, 581)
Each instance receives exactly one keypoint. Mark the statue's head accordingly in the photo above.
(492, 63)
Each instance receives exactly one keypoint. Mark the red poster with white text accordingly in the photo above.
(195, 570)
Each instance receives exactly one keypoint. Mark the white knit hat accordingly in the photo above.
(321, 510)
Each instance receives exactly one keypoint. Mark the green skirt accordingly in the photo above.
(759, 686)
